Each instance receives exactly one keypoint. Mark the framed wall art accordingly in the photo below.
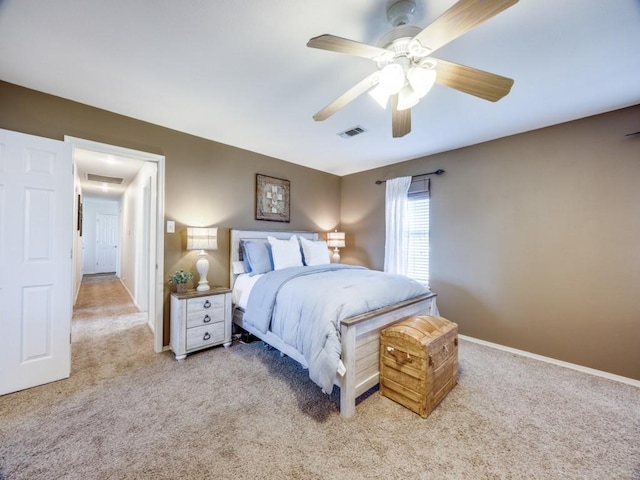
(272, 198)
(80, 214)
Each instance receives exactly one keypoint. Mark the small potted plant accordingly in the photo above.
(180, 278)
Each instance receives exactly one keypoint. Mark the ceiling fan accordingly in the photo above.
(406, 69)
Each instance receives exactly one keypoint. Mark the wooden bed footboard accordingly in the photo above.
(360, 336)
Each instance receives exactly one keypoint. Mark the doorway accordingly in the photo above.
(100, 240)
(141, 237)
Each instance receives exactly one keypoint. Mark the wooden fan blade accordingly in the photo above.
(400, 119)
(459, 19)
(350, 95)
(488, 86)
(343, 45)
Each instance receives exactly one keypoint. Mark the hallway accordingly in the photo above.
(102, 295)
(103, 314)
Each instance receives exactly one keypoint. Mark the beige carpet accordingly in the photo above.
(102, 295)
(247, 412)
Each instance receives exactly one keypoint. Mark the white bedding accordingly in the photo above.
(242, 288)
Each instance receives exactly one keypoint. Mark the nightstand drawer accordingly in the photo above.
(207, 317)
(205, 304)
(207, 335)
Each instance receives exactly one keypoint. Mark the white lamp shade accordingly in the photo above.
(392, 78)
(407, 98)
(335, 239)
(202, 238)
(380, 95)
(421, 80)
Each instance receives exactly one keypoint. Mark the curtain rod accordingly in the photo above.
(437, 172)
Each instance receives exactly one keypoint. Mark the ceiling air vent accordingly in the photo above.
(352, 132)
(102, 179)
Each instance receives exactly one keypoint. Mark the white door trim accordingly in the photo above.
(156, 269)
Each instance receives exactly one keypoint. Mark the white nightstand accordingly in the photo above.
(200, 320)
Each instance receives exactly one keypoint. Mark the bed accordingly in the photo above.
(358, 369)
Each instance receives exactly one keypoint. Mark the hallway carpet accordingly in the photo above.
(102, 295)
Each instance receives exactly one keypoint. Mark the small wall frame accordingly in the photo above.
(80, 215)
(272, 198)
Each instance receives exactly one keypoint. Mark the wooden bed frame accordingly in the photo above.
(359, 334)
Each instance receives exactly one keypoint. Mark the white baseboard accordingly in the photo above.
(128, 292)
(573, 366)
(149, 323)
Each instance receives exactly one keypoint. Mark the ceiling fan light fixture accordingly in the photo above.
(415, 49)
(407, 98)
(380, 95)
(392, 78)
(421, 80)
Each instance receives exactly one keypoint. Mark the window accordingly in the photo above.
(418, 230)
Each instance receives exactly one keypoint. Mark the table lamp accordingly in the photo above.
(335, 240)
(202, 239)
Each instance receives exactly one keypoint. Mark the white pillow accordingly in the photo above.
(238, 268)
(315, 252)
(285, 253)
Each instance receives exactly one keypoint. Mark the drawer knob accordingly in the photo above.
(207, 304)
(206, 336)
(206, 319)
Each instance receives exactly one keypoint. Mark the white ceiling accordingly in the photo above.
(88, 162)
(239, 72)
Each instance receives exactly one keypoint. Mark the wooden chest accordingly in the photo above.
(419, 362)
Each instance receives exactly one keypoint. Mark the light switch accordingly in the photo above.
(171, 226)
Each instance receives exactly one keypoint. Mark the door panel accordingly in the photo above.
(36, 227)
(39, 211)
(36, 325)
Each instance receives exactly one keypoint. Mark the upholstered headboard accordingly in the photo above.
(238, 235)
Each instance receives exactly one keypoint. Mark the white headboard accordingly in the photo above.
(238, 235)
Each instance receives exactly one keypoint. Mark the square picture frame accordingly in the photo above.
(272, 198)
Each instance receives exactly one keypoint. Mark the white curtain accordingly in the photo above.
(396, 243)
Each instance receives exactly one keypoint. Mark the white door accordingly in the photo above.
(36, 210)
(106, 242)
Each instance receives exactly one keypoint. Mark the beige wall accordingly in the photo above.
(206, 183)
(535, 238)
